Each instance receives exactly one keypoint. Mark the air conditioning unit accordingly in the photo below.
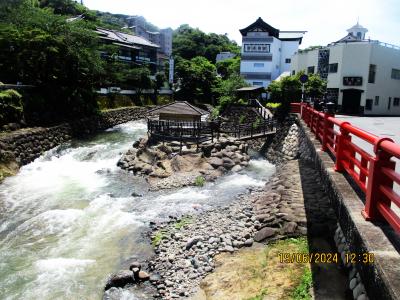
(114, 89)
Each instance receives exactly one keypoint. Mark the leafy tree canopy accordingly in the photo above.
(190, 42)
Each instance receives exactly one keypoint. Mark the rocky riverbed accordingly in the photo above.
(185, 247)
(171, 165)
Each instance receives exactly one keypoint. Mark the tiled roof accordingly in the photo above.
(126, 38)
(179, 108)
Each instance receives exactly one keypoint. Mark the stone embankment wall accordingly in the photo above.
(378, 280)
(291, 142)
(25, 145)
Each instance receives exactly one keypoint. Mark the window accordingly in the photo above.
(368, 104)
(333, 68)
(371, 74)
(258, 83)
(258, 65)
(288, 60)
(396, 74)
(256, 48)
(376, 100)
(310, 70)
(396, 101)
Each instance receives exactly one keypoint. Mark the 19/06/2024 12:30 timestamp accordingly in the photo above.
(350, 257)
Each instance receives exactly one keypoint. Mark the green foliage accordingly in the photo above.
(273, 105)
(10, 107)
(158, 237)
(199, 181)
(302, 291)
(195, 79)
(215, 113)
(64, 7)
(257, 122)
(182, 223)
(242, 102)
(59, 58)
(228, 67)
(260, 296)
(288, 90)
(242, 119)
(191, 42)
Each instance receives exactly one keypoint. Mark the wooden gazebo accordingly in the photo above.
(178, 111)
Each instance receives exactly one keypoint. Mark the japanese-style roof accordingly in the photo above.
(348, 38)
(291, 35)
(179, 108)
(250, 88)
(260, 25)
(124, 38)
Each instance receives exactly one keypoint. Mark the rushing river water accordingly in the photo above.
(68, 219)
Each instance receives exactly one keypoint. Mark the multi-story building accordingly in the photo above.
(132, 49)
(363, 75)
(224, 55)
(266, 52)
(163, 38)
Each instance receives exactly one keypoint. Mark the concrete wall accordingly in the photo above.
(24, 146)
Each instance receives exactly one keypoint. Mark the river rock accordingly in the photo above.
(144, 276)
(215, 162)
(119, 279)
(264, 233)
(193, 241)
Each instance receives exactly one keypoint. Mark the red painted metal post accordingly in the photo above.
(325, 134)
(376, 178)
(341, 146)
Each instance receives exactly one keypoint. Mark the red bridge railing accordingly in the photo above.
(374, 173)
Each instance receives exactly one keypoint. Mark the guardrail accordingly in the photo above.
(374, 174)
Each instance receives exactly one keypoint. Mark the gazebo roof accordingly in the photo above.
(179, 108)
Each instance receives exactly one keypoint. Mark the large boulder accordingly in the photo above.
(186, 163)
(228, 163)
(264, 233)
(119, 279)
(215, 162)
(146, 157)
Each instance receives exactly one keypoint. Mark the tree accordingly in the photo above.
(139, 79)
(10, 107)
(60, 59)
(158, 83)
(228, 67)
(195, 79)
(190, 42)
(288, 90)
(226, 89)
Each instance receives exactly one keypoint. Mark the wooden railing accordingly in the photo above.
(375, 173)
(252, 130)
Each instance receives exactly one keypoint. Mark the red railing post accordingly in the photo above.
(342, 139)
(325, 133)
(376, 179)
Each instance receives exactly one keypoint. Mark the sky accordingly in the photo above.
(324, 21)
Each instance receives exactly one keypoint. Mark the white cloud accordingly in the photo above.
(325, 21)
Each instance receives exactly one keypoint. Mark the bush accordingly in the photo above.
(11, 110)
(200, 181)
(273, 105)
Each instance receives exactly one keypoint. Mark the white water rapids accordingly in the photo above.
(68, 219)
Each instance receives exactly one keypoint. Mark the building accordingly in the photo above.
(363, 75)
(162, 37)
(266, 52)
(133, 49)
(224, 55)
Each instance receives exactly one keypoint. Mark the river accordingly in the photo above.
(69, 219)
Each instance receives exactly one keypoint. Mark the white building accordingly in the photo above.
(224, 55)
(266, 52)
(363, 75)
